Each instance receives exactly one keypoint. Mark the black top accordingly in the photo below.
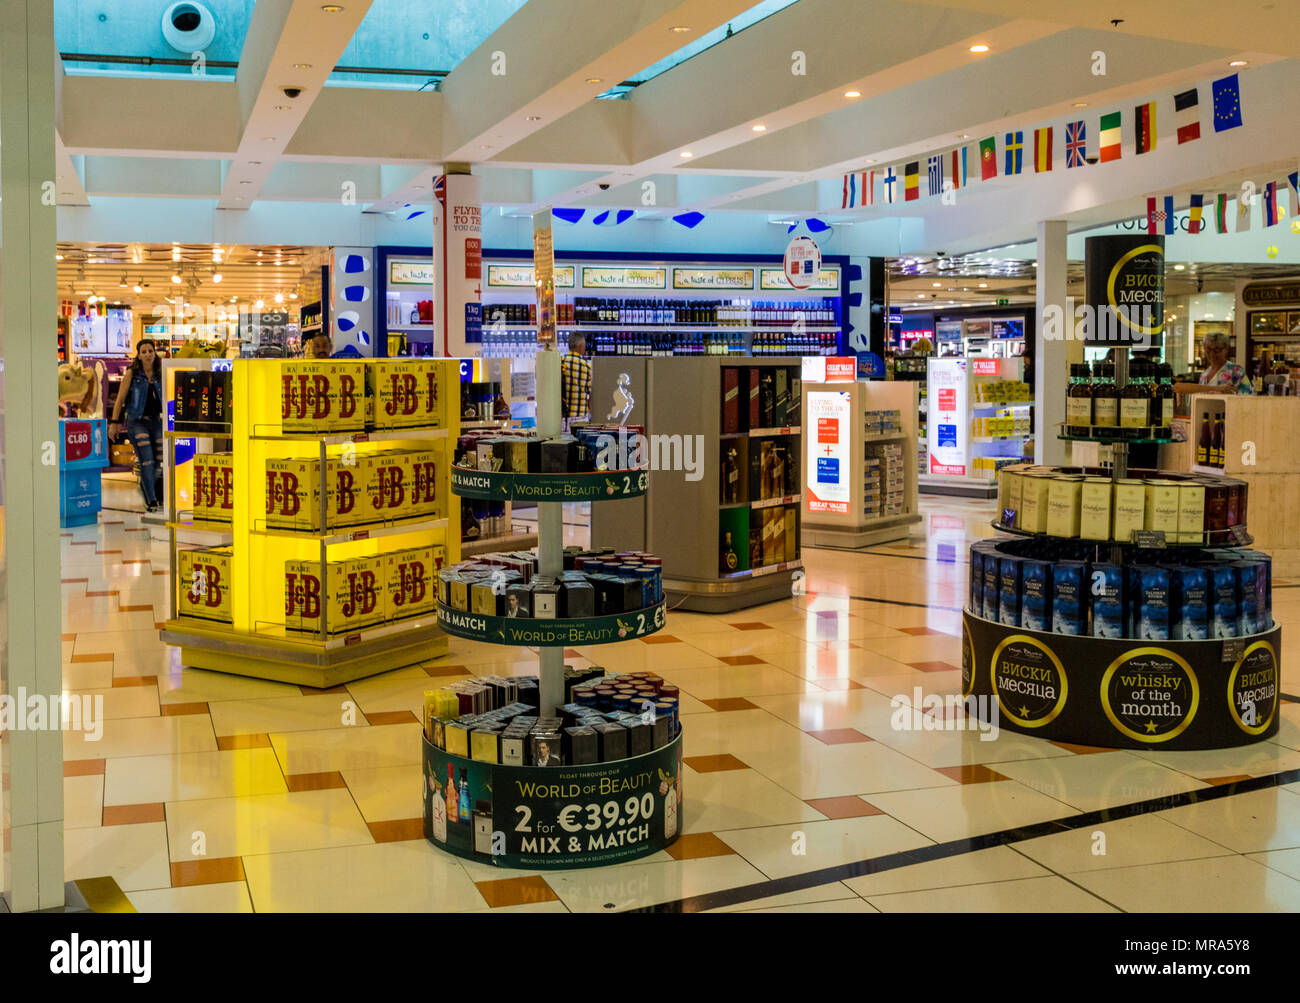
(152, 405)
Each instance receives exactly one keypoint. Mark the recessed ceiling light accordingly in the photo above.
(1179, 268)
(217, 277)
(534, 118)
(594, 80)
(279, 297)
(853, 94)
(268, 139)
(1080, 104)
(137, 288)
(760, 128)
(332, 8)
(1239, 62)
(868, 161)
(679, 29)
(935, 284)
(245, 182)
(58, 257)
(302, 66)
(254, 163)
(984, 285)
(484, 146)
(284, 107)
(979, 47)
(687, 154)
(964, 135)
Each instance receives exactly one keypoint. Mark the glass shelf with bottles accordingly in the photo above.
(1096, 410)
(522, 343)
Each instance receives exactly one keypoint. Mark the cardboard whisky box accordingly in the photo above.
(204, 585)
(780, 397)
(1036, 489)
(1095, 509)
(423, 481)
(395, 386)
(1130, 509)
(432, 404)
(408, 583)
(356, 588)
(305, 401)
(791, 532)
(1191, 513)
(389, 477)
(1162, 508)
(769, 537)
(754, 413)
(213, 498)
(292, 494)
(1063, 506)
(347, 396)
(730, 400)
(302, 595)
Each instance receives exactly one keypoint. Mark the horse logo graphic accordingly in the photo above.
(623, 400)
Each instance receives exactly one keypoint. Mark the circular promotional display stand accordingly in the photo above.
(528, 631)
(1123, 693)
(553, 817)
(600, 485)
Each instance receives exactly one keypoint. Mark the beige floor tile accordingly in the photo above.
(735, 799)
(637, 656)
(1213, 885)
(834, 891)
(223, 897)
(1260, 759)
(1045, 894)
(1248, 823)
(122, 701)
(766, 644)
(201, 686)
(732, 680)
(835, 906)
(636, 883)
(265, 823)
(86, 675)
(113, 641)
(1099, 780)
(948, 813)
(387, 792)
(1286, 861)
(384, 877)
(836, 628)
(826, 771)
(998, 863)
(192, 777)
(286, 714)
(347, 748)
(931, 648)
(143, 736)
(135, 856)
(1127, 842)
(83, 802)
(775, 850)
(396, 691)
(739, 732)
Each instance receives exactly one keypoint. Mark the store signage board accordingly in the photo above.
(1271, 293)
(774, 280)
(410, 273)
(524, 277)
(841, 369)
(606, 277)
(713, 278)
(803, 262)
(1124, 281)
(948, 431)
(830, 447)
(986, 367)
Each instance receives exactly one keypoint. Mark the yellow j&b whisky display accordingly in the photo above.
(335, 501)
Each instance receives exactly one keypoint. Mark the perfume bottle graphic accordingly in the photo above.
(670, 813)
(453, 802)
(439, 809)
(464, 809)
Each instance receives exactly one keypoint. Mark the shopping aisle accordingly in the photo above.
(213, 792)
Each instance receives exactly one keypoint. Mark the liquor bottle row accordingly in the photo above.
(1054, 587)
(501, 343)
(1209, 441)
(1083, 503)
(1096, 408)
(718, 313)
(522, 313)
(759, 397)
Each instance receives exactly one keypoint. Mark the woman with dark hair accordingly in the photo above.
(141, 393)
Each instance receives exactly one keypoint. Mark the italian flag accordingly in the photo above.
(1110, 137)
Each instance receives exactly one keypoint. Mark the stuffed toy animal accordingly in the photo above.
(81, 387)
(194, 348)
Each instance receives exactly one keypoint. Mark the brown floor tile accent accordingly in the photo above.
(311, 691)
(1081, 750)
(847, 807)
(131, 814)
(741, 660)
(392, 717)
(447, 670)
(573, 653)
(840, 736)
(934, 666)
(752, 626)
(397, 830)
(160, 625)
(104, 656)
(136, 529)
(135, 681)
(838, 684)
(694, 845)
(218, 870)
(714, 764)
(83, 767)
(516, 891)
(67, 637)
(179, 709)
(971, 773)
(661, 639)
(108, 592)
(73, 581)
(138, 560)
(228, 743)
(920, 631)
(155, 571)
(136, 609)
(328, 781)
(731, 703)
(1220, 781)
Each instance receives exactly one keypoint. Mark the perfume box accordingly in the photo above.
(555, 455)
(481, 818)
(513, 742)
(613, 742)
(769, 537)
(519, 601)
(578, 599)
(755, 544)
(483, 599)
(545, 747)
(639, 736)
(457, 738)
(730, 490)
(661, 731)
(583, 746)
(485, 745)
(546, 599)
(767, 398)
(730, 399)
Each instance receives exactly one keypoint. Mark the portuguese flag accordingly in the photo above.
(988, 158)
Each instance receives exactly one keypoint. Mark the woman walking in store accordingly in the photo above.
(141, 393)
(1220, 375)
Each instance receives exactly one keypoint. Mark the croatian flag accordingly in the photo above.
(1160, 215)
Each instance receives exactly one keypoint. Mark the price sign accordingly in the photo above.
(1153, 538)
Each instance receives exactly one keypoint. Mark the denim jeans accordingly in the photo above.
(146, 436)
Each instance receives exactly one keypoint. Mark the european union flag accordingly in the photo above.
(1227, 103)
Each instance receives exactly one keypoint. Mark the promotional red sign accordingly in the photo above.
(948, 399)
(956, 469)
(828, 430)
(986, 367)
(473, 258)
(840, 369)
(76, 440)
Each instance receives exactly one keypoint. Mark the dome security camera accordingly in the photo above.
(291, 92)
(604, 187)
(188, 27)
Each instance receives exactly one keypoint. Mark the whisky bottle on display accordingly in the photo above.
(1216, 443)
(1203, 441)
(730, 561)
(1135, 404)
(1078, 402)
(453, 798)
(1165, 392)
(1105, 399)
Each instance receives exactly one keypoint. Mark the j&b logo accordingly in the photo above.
(403, 398)
(302, 593)
(411, 583)
(362, 594)
(282, 493)
(389, 489)
(214, 487)
(205, 586)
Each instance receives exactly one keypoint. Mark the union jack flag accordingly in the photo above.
(440, 189)
(1076, 144)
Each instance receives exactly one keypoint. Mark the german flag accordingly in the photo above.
(1042, 150)
(1144, 125)
(912, 181)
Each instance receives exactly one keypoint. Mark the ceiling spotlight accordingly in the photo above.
(853, 94)
(1239, 62)
(258, 305)
(332, 8)
(964, 135)
(259, 254)
(984, 285)
(58, 257)
(176, 279)
(687, 154)
(137, 288)
(176, 253)
(245, 182)
(254, 163)
(293, 296)
(679, 29)
(279, 297)
(760, 128)
(979, 47)
(268, 139)
(1080, 104)
(594, 80)
(532, 118)
(935, 284)
(217, 277)
(302, 66)
(1179, 268)
(868, 161)
(283, 107)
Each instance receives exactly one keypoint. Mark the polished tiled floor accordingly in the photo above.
(209, 792)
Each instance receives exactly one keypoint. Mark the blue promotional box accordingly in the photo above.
(1106, 594)
(83, 453)
(1069, 603)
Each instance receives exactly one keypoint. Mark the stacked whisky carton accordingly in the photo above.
(885, 491)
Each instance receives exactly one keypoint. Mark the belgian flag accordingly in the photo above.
(912, 181)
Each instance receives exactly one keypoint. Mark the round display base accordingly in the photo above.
(1123, 693)
(553, 817)
(544, 633)
(600, 485)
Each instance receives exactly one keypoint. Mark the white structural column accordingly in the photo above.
(458, 265)
(1050, 355)
(30, 662)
